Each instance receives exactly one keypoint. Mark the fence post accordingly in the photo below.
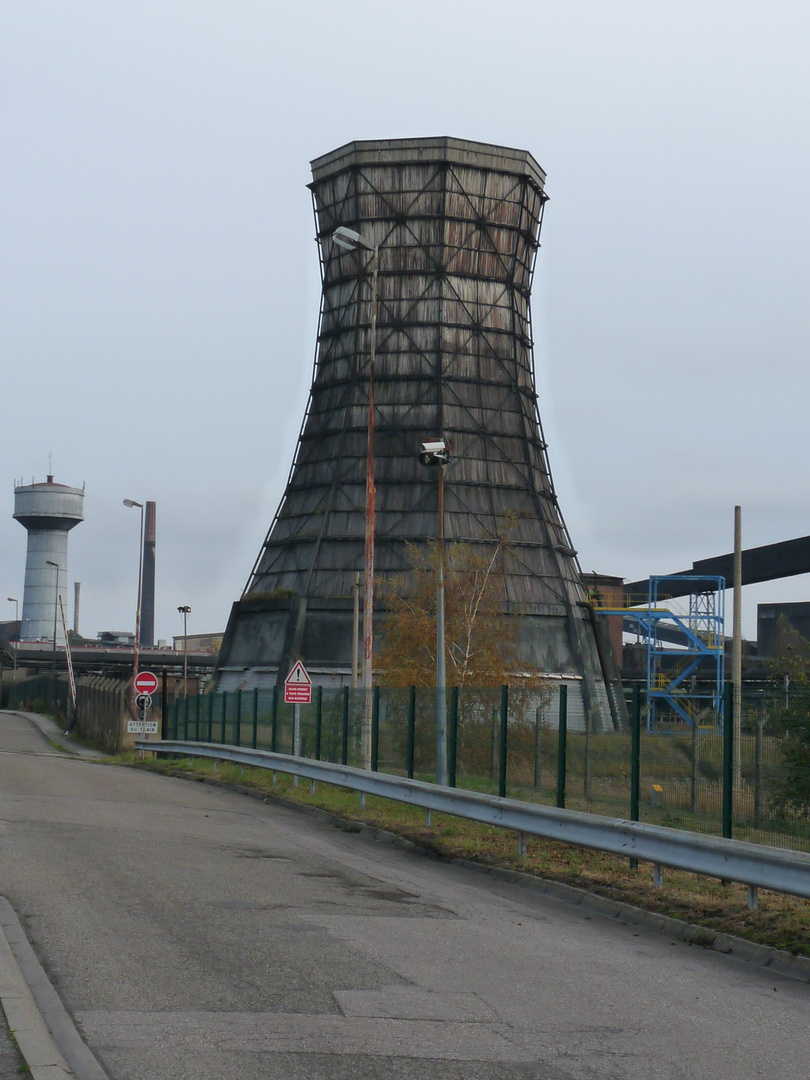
(504, 722)
(237, 732)
(273, 720)
(375, 728)
(185, 718)
(197, 706)
(453, 740)
(695, 765)
(344, 742)
(728, 761)
(255, 740)
(635, 753)
(562, 739)
(409, 751)
(318, 720)
(538, 766)
(493, 743)
(635, 760)
(164, 704)
(224, 715)
(211, 699)
(758, 767)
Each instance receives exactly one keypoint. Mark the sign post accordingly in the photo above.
(297, 692)
(145, 684)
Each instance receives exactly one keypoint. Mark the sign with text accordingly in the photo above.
(298, 686)
(142, 727)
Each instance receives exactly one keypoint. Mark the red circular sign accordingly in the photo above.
(146, 682)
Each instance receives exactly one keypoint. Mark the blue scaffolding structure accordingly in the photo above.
(678, 644)
(670, 669)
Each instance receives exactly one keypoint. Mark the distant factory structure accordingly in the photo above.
(425, 334)
(47, 512)
(147, 635)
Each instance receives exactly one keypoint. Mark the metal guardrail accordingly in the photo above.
(754, 865)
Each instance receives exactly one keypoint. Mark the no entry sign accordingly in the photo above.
(298, 686)
(146, 682)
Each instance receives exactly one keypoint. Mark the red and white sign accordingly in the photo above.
(146, 682)
(298, 686)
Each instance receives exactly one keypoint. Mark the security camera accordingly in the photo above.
(434, 452)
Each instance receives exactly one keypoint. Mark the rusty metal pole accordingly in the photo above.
(368, 596)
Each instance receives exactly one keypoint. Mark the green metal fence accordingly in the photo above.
(503, 742)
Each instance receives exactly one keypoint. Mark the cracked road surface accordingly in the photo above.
(196, 933)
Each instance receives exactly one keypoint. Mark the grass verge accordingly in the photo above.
(781, 921)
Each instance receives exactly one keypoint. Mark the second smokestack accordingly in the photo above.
(148, 579)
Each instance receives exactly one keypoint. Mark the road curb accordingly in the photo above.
(777, 961)
(44, 1030)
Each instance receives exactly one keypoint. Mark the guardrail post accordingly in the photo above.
(375, 728)
(452, 749)
(504, 722)
(344, 742)
(318, 720)
(409, 751)
(224, 715)
(273, 719)
(211, 698)
(728, 761)
(562, 746)
(255, 740)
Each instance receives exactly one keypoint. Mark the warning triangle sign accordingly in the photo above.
(298, 676)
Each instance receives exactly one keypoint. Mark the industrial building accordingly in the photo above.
(433, 320)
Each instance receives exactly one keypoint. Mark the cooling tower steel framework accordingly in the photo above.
(457, 224)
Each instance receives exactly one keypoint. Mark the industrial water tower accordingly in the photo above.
(48, 512)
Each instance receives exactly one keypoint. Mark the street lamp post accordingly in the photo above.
(437, 453)
(184, 610)
(130, 503)
(16, 603)
(353, 241)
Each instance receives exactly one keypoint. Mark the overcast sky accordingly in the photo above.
(160, 287)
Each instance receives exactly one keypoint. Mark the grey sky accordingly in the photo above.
(159, 293)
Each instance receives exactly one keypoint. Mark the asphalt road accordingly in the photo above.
(196, 933)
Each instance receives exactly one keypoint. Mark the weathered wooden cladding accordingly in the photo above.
(457, 226)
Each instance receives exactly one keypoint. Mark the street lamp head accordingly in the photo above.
(351, 240)
(184, 609)
(50, 562)
(12, 599)
(131, 502)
